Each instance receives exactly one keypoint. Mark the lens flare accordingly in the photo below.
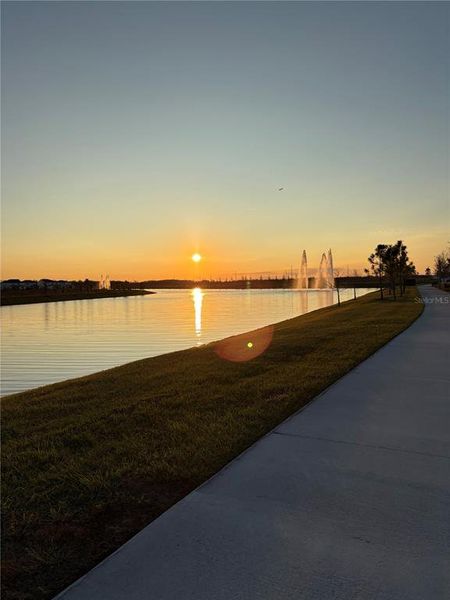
(240, 349)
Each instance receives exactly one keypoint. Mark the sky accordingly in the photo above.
(137, 133)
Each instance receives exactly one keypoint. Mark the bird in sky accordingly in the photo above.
(280, 189)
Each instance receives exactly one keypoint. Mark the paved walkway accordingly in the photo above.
(348, 499)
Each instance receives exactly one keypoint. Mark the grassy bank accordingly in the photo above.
(89, 462)
(9, 299)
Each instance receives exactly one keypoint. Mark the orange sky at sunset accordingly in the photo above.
(143, 259)
(135, 134)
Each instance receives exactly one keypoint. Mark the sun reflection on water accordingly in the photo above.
(197, 296)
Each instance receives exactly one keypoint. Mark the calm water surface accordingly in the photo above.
(45, 343)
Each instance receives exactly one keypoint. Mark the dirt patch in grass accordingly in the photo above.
(88, 462)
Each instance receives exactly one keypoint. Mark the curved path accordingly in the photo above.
(346, 500)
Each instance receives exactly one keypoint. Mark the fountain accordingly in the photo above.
(324, 278)
(104, 283)
(303, 279)
(322, 274)
(330, 275)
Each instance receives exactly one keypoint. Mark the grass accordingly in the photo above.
(89, 462)
(9, 298)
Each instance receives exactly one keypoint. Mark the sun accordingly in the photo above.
(196, 257)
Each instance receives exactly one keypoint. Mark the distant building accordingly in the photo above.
(28, 284)
(44, 284)
(52, 284)
(10, 284)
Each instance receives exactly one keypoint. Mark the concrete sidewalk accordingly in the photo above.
(348, 499)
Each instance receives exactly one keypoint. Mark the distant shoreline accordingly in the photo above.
(26, 297)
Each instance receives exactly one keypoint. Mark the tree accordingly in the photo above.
(398, 266)
(405, 267)
(442, 265)
(391, 261)
(428, 271)
(377, 266)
